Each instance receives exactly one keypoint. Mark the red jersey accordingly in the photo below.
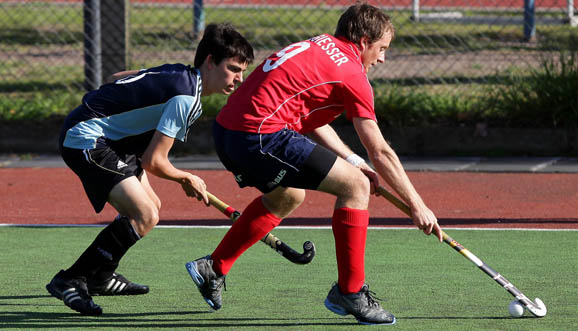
(302, 87)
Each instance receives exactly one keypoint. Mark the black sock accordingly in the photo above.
(101, 258)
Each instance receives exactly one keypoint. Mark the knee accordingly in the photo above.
(151, 218)
(147, 220)
(355, 183)
(364, 186)
(294, 199)
(356, 191)
(284, 201)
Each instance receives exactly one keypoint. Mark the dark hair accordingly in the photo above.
(222, 41)
(363, 20)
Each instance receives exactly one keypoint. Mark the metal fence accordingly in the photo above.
(72, 44)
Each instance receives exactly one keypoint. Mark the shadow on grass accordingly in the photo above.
(175, 319)
(23, 319)
(449, 318)
(6, 300)
(74, 321)
(23, 297)
(39, 320)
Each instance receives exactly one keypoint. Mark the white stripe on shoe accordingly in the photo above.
(115, 286)
(121, 287)
(70, 295)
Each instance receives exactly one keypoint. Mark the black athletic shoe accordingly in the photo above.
(361, 305)
(207, 281)
(117, 284)
(74, 293)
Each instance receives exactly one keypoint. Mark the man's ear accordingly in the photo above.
(364, 43)
(209, 62)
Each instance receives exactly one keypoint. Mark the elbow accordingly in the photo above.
(383, 156)
(146, 166)
(149, 165)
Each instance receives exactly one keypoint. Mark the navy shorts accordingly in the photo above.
(99, 170)
(284, 158)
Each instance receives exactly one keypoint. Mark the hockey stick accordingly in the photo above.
(269, 239)
(536, 307)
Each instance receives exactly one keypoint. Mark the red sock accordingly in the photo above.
(350, 232)
(255, 222)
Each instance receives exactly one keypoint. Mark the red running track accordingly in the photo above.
(459, 199)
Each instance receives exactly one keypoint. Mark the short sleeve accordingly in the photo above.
(174, 121)
(358, 98)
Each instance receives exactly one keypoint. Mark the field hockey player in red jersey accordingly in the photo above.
(274, 134)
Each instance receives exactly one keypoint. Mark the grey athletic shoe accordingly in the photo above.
(209, 284)
(361, 305)
(74, 293)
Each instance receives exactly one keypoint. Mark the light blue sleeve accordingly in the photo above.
(178, 115)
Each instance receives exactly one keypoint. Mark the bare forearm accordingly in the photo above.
(389, 167)
(328, 138)
(156, 161)
(163, 168)
(385, 161)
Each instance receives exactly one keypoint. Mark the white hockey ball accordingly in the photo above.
(516, 309)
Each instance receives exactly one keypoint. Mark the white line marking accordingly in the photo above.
(283, 227)
(543, 165)
(467, 165)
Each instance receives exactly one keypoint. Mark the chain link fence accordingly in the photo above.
(71, 44)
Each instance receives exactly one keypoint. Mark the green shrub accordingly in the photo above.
(547, 97)
(418, 106)
(36, 106)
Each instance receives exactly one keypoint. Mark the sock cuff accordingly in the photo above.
(257, 209)
(123, 218)
(351, 216)
(122, 227)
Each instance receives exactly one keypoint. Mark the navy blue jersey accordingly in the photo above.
(125, 114)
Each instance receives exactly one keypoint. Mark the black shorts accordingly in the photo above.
(265, 161)
(99, 170)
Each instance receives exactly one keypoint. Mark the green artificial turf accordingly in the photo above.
(427, 285)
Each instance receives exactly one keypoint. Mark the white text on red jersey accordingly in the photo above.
(334, 53)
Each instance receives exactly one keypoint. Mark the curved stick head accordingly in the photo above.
(289, 253)
(537, 308)
(308, 253)
(293, 256)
